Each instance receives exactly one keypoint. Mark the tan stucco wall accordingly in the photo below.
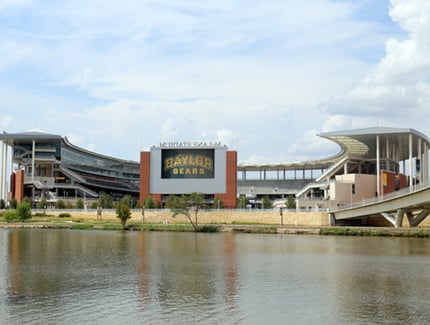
(312, 219)
(219, 217)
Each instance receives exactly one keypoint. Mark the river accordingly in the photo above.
(110, 277)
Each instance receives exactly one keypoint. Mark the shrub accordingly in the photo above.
(60, 204)
(10, 215)
(64, 215)
(79, 204)
(24, 211)
(207, 228)
(42, 204)
(123, 213)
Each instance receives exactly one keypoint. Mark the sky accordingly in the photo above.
(262, 77)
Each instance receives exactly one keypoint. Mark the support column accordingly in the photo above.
(410, 163)
(426, 163)
(378, 167)
(2, 174)
(33, 159)
(420, 176)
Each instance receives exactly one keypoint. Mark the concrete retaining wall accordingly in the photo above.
(210, 217)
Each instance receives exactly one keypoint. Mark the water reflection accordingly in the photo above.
(113, 277)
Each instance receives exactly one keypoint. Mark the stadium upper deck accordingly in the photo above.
(55, 168)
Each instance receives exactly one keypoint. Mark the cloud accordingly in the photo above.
(128, 75)
(399, 84)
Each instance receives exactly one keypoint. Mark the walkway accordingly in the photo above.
(414, 204)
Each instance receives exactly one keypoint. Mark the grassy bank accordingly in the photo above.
(78, 223)
(384, 232)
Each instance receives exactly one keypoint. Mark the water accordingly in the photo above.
(103, 277)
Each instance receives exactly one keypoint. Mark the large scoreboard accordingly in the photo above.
(187, 163)
(185, 167)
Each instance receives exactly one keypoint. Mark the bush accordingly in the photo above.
(79, 204)
(10, 215)
(60, 204)
(123, 213)
(24, 211)
(64, 215)
(42, 204)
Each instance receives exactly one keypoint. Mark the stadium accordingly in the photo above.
(371, 162)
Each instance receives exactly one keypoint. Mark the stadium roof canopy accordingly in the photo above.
(355, 143)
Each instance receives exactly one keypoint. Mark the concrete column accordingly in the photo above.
(420, 157)
(410, 163)
(426, 164)
(387, 149)
(33, 158)
(6, 177)
(2, 176)
(378, 167)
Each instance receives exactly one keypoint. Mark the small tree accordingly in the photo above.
(242, 201)
(267, 204)
(218, 203)
(123, 213)
(2, 204)
(106, 201)
(42, 204)
(60, 204)
(170, 201)
(80, 204)
(291, 202)
(127, 200)
(187, 203)
(24, 211)
(149, 202)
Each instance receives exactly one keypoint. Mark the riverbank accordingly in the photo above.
(231, 228)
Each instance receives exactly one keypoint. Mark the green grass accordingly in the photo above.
(82, 226)
(371, 232)
(258, 230)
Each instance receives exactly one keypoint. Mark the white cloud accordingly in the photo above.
(397, 91)
(128, 75)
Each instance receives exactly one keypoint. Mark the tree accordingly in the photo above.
(60, 204)
(291, 202)
(186, 204)
(218, 203)
(42, 204)
(171, 201)
(127, 200)
(24, 211)
(267, 204)
(242, 201)
(80, 204)
(2, 204)
(106, 201)
(123, 213)
(149, 202)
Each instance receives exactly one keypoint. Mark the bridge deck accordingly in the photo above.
(414, 204)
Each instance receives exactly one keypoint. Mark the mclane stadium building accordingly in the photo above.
(371, 162)
(48, 166)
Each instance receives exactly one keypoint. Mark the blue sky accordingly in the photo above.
(265, 78)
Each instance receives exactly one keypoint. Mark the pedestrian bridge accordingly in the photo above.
(414, 203)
